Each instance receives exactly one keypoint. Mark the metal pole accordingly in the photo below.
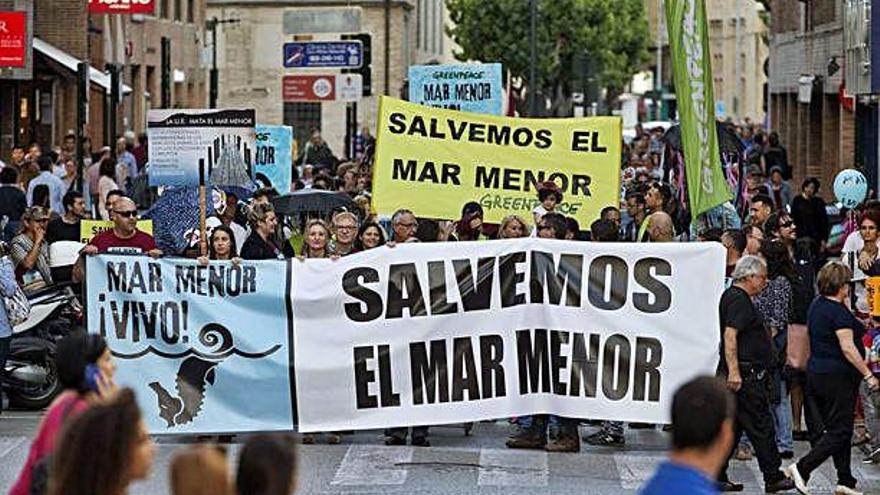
(214, 76)
(533, 57)
(387, 47)
(737, 99)
(658, 81)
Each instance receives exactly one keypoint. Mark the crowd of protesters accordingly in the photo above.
(797, 335)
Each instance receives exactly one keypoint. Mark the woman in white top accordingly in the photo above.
(106, 183)
(861, 253)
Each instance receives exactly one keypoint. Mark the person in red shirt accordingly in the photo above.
(123, 238)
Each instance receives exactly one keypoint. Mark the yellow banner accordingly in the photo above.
(91, 228)
(432, 161)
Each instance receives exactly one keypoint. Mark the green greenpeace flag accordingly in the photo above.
(689, 45)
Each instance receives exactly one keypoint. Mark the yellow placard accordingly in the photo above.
(432, 161)
(91, 228)
(872, 287)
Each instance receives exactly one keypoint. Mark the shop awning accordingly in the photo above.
(69, 61)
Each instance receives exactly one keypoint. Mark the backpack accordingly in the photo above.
(803, 289)
(18, 308)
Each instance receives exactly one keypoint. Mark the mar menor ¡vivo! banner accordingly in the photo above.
(222, 140)
(273, 165)
(434, 334)
(206, 349)
(122, 6)
(432, 161)
(466, 87)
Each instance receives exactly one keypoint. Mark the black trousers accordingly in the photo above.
(834, 397)
(754, 418)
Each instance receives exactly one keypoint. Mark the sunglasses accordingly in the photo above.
(127, 214)
(786, 225)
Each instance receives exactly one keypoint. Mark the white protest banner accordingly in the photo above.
(444, 333)
(206, 348)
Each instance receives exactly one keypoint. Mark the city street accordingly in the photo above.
(453, 464)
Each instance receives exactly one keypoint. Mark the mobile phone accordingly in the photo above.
(92, 373)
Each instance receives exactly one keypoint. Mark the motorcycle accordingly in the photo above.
(30, 378)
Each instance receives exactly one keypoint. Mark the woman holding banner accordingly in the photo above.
(369, 236)
(221, 246)
(513, 227)
(317, 240)
(261, 245)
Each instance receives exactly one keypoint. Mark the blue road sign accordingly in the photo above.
(343, 54)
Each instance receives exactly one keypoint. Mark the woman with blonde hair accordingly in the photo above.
(317, 239)
(512, 227)
(200, 470)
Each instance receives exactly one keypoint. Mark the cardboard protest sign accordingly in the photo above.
(223, 140)
(90, 228)
(442, 333)
(196, 369)
(432, 161)
(466, 87)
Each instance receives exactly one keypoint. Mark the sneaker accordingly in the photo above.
(729, 486)
(526, 442)
(783, 485)
(564, 444)
(743, 453)
(604, 439)
(799, 482)
(845, 490)
(872, 457)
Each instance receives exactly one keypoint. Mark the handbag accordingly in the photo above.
(18, 309)
(797, 351)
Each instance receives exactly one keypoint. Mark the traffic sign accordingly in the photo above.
(344, 54)
(328, 87)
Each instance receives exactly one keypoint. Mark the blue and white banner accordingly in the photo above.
(206, 348)
(476, 88)
(273, 164)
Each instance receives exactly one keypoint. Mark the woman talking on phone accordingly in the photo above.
(85, 369)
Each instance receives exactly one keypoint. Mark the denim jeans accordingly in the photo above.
(782, 421)
(872, 421)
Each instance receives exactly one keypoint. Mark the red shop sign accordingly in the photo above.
(13, 39)
(122, 6)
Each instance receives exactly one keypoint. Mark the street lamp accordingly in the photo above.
(211, 25)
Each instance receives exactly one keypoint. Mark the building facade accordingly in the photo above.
(43, 108)
(250, 65)
(739, 89)
(815, 122)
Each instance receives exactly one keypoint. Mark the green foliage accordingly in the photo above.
(614, 32)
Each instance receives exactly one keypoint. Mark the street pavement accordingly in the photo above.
(454, 464)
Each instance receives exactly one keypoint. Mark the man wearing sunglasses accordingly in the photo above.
(123, 238)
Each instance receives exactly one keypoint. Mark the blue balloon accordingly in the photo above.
(850, 188)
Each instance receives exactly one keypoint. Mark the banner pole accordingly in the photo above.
(203, 242)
